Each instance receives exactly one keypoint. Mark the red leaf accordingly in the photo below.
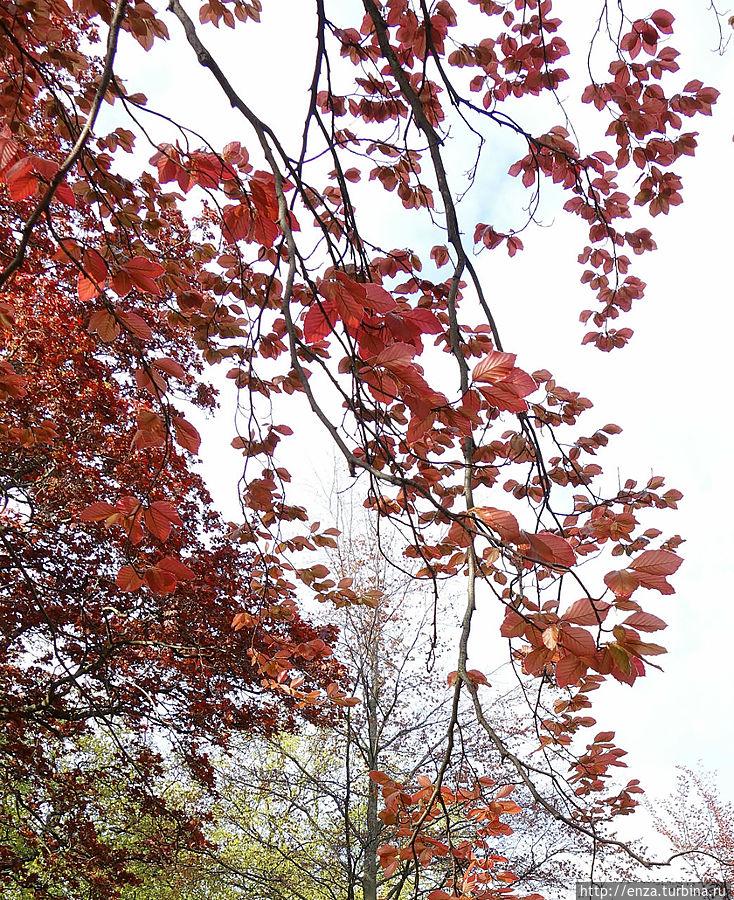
(378, 298)
(652, 566)
(159, 581)
(477, 677)
(657, 562)
(64, 194)
(21, 180)
(664, 20)
(92, 280)
(98, 511)
(578, 641)
(622, 583)
(513, 625)
(586, 612)
(319, 321)
(170, 367)
(424, 319)
(159, 519)
(440, 255)
(643, 621)
(503, 522)
(551, 549)
(396, 355)
(128, 579)
(494, 368)
(186, 435)
(151, 430)
(570, 670)
(142, 272)
(137, 326)
(176, 568)
(105, 325)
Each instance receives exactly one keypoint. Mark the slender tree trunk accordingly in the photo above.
(369, 878)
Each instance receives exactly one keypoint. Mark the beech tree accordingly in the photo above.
(122, 278)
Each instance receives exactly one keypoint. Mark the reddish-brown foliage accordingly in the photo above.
(125, 598)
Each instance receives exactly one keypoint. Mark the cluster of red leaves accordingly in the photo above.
(119, 582)
(411, 814)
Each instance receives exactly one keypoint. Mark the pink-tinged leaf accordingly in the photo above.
(503, 399)
(136, 325)
(159, 581)
(128, 579)
(663, 20)
(395, 355)
(604, 737)
(501, 521)
(513, 625)
(64, 194)
(151, 430)
(382, 779)
(86, 289)
(186, 435)
(578, 641)
(91, 281)
(551, 549)
(622, 583)
(179, 571)
(319, 321)
(121, 283)
(170, 367)
(159, 519)
(652, 566)
(657, 562)
(586, 612)
(440, 255)
(521, 383)
(378, 299)
(494, 368)
(570, 670)
(143, 272)
(104, 325)
(477, 677)
(643, 621)
(98, 511)
(424, 319)
(21, 180)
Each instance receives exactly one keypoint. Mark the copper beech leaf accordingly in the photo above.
(159, 581)
(136, 325)
(570, 670)
(173, 565)
(160, 517)
(104, 324)
(143, 272)
(587, 612)
(549, 548)
(128, 579)
(643, 621)
(494, 368)
(186, 435)
(501, 521)
(98, 511)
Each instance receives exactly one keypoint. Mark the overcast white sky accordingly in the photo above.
(667, 389)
